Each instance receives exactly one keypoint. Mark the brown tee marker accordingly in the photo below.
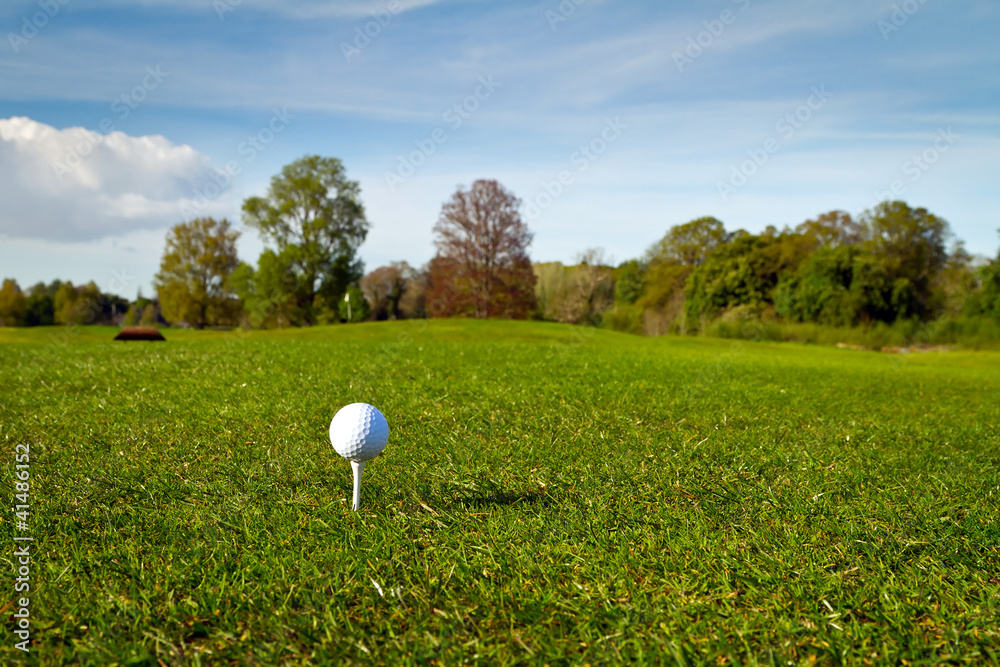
(139, 333)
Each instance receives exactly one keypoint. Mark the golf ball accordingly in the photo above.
(359, 432)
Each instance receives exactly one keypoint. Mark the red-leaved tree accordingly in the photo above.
(482, 267)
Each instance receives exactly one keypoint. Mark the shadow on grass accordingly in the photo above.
(497, 498)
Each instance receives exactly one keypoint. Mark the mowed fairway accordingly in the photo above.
(549, 495)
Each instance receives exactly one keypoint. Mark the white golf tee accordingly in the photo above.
(358, 467)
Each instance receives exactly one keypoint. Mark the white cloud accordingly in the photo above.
(77, 185)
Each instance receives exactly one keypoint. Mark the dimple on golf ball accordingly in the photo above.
(359, 432)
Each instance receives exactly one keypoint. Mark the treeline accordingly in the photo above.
(896, 268)
(62, 302)
(312, 222)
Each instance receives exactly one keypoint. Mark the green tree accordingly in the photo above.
(150, 315)
(314, 217)
(64, 304)
(744, 272)
(989, 293)
(131, 317)
(193, 284)
(820, 291)
(12, 304)
(630, 281)
(39, 310)
(268, 292)
(42, 288)
(912, 246)
(78, 305)
(955, 283)
(354, 306)
(671, 261)
(688, 244)
(876, 295)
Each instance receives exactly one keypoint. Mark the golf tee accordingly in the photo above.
(358, 467)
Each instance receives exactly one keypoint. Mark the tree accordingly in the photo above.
(911, 244)
(150, 315)
(988, 301)
(630, 282)
(743, 272)
(314, 217)
(413, 303)
(820, 290)
(267, 292)
(354, 307)
(688, 244)
(447, 292)
(193, 284)
(42, 288)
(578, 294)
(671, 260)
(955, 283)
(595, 286)
(64, 303)
(483, 245)
(12, 304)
(39, 310)
(78, 305)
(384, 289)
(835, 228)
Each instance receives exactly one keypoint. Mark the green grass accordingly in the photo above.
(549, 495)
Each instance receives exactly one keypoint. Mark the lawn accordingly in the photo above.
(549, 495)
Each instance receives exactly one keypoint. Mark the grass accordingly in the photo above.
(549, 495)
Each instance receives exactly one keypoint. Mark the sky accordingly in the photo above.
(611, 120)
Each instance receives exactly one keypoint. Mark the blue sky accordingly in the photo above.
(115, 115)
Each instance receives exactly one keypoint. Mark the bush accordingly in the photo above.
(624, 318)
(966, 332)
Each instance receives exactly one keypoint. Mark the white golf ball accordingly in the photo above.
(359, 432)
